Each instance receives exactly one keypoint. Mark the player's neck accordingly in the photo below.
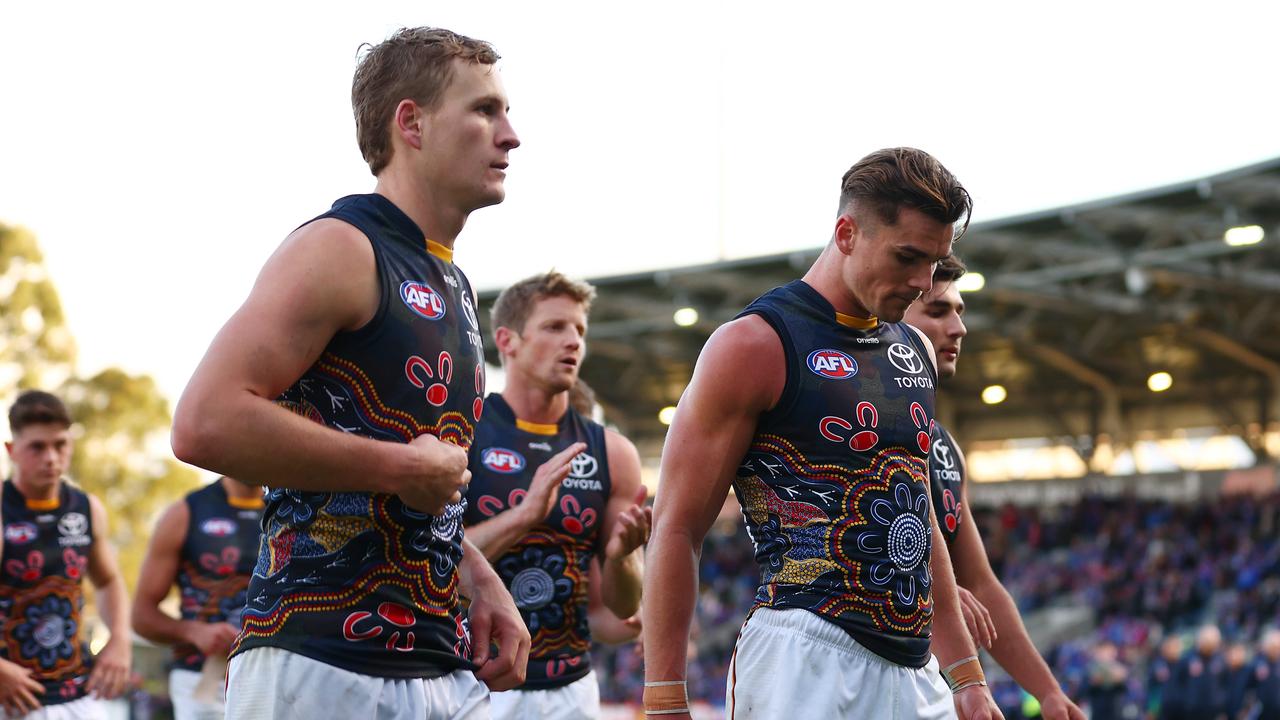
(438, 219)
(239, 490)
(825, 277)
(534, 404)
(37, 492)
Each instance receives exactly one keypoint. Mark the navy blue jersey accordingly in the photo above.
(1265, 684)
(834, 487)
(359, 580)
(946, 477)
(46, 558)
(546, 570)
(215, 562)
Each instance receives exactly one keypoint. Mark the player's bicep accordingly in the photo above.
(160, 566)
(321, 281)
(624, 479)
(738, 376)
(102, 559)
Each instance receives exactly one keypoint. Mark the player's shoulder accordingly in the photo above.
(619, 445)
(744, 336)
(330, 238)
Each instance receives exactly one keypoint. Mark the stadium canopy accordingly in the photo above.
(1081, 306)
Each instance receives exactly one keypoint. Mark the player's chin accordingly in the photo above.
(892, 312)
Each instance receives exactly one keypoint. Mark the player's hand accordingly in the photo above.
(1056, 706)
(495, 619)
(977, 618)
(629, 532)
(544, 490)
(110, 670)
(212, 639)
(975, 703)
(18, 690)
(444, 479)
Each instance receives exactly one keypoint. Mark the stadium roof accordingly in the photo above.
(1081, 304)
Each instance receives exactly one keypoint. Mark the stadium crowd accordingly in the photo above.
(1181, 597)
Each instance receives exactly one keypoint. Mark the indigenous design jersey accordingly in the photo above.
(217, 559)
(359, 580)
(46, 557)
(834, 486)
(546, 571)
(946, 475)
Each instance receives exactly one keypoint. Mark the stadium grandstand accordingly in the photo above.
(1117, 404)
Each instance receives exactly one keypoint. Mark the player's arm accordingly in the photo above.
(1012, 647)
(493, 617)
(111, 665)
(495, 536)
(158, 574)
(606, 627)
(625, 529)
(951, 639)
(321, 281)
(740, 374)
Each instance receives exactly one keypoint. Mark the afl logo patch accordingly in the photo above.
(502, 460)
(218, 527)
(422, 299)
(832, 364)
(20, 533)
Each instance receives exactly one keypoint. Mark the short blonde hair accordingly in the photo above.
(515, 304)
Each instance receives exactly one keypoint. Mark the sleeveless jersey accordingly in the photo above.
(834, 487)
(216, 561)
(359, 580)
(46, 558)
(946, 475)
(547, 570)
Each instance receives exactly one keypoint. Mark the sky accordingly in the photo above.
(160, 152)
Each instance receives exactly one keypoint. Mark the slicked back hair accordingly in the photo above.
(879, 185)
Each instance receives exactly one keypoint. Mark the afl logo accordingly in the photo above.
(218, 527)
(905, 359)
(832, 364)
(502, 460)
(422, 299)
(20, 533)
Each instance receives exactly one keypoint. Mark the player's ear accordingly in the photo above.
(846, 231)
(506, 340)
(410, 123)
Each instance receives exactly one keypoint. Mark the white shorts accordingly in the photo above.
(86, 708)
(788, 661)
(269, 682)
(579, 700)
(182, 685)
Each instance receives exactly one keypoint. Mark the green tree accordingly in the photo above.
(122, 455)
(122, 421)
(36, 348)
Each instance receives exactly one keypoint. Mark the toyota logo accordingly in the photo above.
(905, 359)
(942, 453)
(582, 466)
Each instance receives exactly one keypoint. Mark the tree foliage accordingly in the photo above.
(121, 420)
(122, 455)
